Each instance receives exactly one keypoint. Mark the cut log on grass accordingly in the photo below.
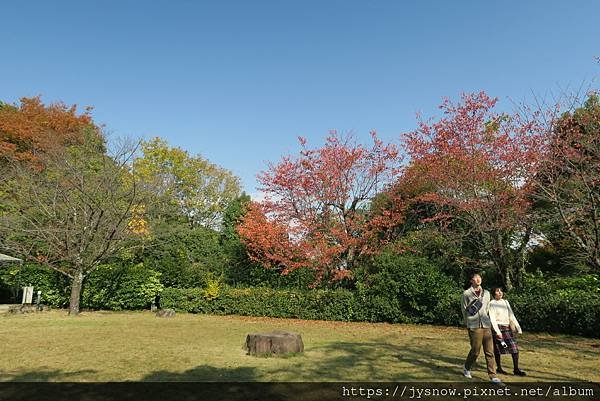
(274, 343)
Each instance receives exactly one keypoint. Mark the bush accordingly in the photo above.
(407, 289)
(111, 286)
(121, 287)
(569, 305)
(318, 304)
(186, 258)
(447, 254)
(55, 287)
(392, 288)
(263, 301)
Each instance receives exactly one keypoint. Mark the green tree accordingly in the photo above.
(74, 213)
(192, 187)
(230, 239)
(187, 257)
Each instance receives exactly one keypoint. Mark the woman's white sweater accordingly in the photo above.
(501, 313)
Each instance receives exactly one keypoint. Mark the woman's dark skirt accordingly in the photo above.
(509, 339)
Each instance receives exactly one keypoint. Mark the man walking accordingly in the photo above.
(475, 309)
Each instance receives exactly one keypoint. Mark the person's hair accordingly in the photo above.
(474, 273)
(493, 291)
(470, 275)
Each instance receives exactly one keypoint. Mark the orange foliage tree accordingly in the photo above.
(317, 208)
(32, 128)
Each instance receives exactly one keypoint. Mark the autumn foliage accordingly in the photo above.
(476, 165)
(568, 182)
(33, 128)
(316, 213)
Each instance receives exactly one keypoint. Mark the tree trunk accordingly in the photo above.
(520, 273)
(506, 273)
(350, 258)
(508, 281)
(76, 292)
(500, 259)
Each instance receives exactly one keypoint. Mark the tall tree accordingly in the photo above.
(193, 187)
(232, 217)
(567, 187)
(316, 211)
(477, 164)
(31, 128)
(75, 212)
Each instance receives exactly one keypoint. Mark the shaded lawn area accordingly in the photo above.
(113, 346)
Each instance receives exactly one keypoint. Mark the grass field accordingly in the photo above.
(108, 346)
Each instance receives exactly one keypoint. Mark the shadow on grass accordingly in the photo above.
(372, 360)
(417, 363)
(543, 345)
(205, 373)
(377, 360)
(42, 375)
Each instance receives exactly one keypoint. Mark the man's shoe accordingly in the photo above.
(467, 373)
(497, 381)
(501, 371)
(519, 372)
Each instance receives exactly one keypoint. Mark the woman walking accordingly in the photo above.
(504, 324)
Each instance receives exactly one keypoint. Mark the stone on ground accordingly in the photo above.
(274, 343)
(165, 313)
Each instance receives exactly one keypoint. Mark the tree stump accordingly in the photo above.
(275, 343)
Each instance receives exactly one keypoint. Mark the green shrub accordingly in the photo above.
(404, 288)
(55, 287)
(317, 304)
(393, 288)
(184, 299)
(186, 258)
(263, 301)
(444, 252)
(120, 287)
(569, 305)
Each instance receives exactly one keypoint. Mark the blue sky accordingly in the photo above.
(237, 82)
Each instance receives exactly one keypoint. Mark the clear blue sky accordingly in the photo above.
(237, 82)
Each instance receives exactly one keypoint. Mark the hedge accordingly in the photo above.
(109, 287)
(121, 287)
(572, 312)
(576, 314)
(55, 287)
(407, 289)
(262, 301)
(560, 305)
(398, 290)
(392, 288)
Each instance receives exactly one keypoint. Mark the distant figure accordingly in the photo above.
(503, 319)
(475, 309)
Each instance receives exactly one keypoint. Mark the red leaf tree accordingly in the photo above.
(567, 185)
(316, 213)
(476, 164)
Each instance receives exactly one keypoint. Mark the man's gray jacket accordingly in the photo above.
(482, 317)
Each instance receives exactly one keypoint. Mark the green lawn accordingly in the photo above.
(107, 346)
